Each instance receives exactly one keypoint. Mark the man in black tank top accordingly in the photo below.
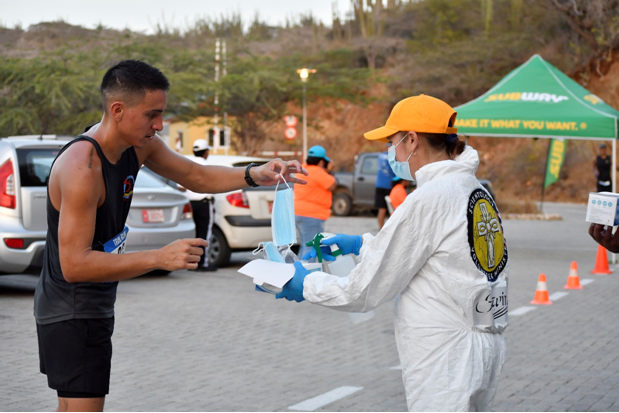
(602, 166)
(89, 194)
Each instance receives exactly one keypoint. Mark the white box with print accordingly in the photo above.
(602, 208)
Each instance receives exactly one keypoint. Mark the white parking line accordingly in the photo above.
(521, 310)
(586, 281)
(398, 367)
(557, 296)
(317, 402)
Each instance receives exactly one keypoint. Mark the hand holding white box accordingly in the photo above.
(603, 208)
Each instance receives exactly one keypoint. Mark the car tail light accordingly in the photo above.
(15, 243)
(238, 200)
(7, 185)
(187, 211)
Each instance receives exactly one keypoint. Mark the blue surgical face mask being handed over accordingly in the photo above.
(282, 218)
(401, 169)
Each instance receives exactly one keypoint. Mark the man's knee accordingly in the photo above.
(66, 404)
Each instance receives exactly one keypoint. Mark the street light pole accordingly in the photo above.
(304, 126)
(304, 74)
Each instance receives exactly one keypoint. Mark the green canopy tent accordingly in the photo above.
(536, 100)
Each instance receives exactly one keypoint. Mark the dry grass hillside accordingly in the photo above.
(463, 70)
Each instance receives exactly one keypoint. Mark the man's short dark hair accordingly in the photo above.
(131, 77)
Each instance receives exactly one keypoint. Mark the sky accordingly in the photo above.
(142, 15)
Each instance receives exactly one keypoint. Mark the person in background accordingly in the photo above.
(398, 193)
(602, 165)
(383, 187)
(312, 202)
(178, 145)
(202, 205)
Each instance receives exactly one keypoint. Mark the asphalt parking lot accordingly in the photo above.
(208, 342)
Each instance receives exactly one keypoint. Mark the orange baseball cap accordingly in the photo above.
(418, 113)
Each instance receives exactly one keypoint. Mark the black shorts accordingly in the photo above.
(379, 197)
(76, 356)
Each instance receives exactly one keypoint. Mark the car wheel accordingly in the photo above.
(342, 204)
(218, 250)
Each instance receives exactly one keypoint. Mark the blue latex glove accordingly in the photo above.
(326, 254)
(349, 244)
(293, 289)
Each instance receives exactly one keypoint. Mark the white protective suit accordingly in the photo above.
(443, 257)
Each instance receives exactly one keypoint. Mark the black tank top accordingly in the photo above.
(57, 300)
(603, 165)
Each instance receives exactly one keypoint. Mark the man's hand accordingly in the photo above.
(182, 254)
(270, 173)
(604, 236)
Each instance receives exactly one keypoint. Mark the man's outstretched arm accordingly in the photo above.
(213, 179)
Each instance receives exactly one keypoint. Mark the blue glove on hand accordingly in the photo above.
(326, 254)
(293, 289)
(349, 244)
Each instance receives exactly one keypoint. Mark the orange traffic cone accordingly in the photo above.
(541, 293)
(601, 262)
(573, 282)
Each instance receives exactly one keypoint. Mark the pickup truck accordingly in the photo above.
(355, 190)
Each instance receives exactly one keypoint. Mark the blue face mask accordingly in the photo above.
(401, 169)
(282, 218)
(273, 253)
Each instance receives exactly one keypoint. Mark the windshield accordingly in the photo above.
(35, 165)
(370, 165)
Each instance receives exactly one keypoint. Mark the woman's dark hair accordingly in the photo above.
(313, 160)
(131, 77)
(444, 142)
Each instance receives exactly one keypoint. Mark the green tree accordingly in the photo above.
(54, 95)
(596, 21)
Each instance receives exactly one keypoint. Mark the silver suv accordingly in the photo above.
(25, 162)
(159, 214)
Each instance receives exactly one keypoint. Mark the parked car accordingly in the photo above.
(24, 169)
(242, 217)
(355, 190)
(159, 214)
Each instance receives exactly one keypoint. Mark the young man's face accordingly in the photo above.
(140, 121)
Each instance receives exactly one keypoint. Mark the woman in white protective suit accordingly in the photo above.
(442, 256)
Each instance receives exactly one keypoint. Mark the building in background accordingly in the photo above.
(180, 135)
